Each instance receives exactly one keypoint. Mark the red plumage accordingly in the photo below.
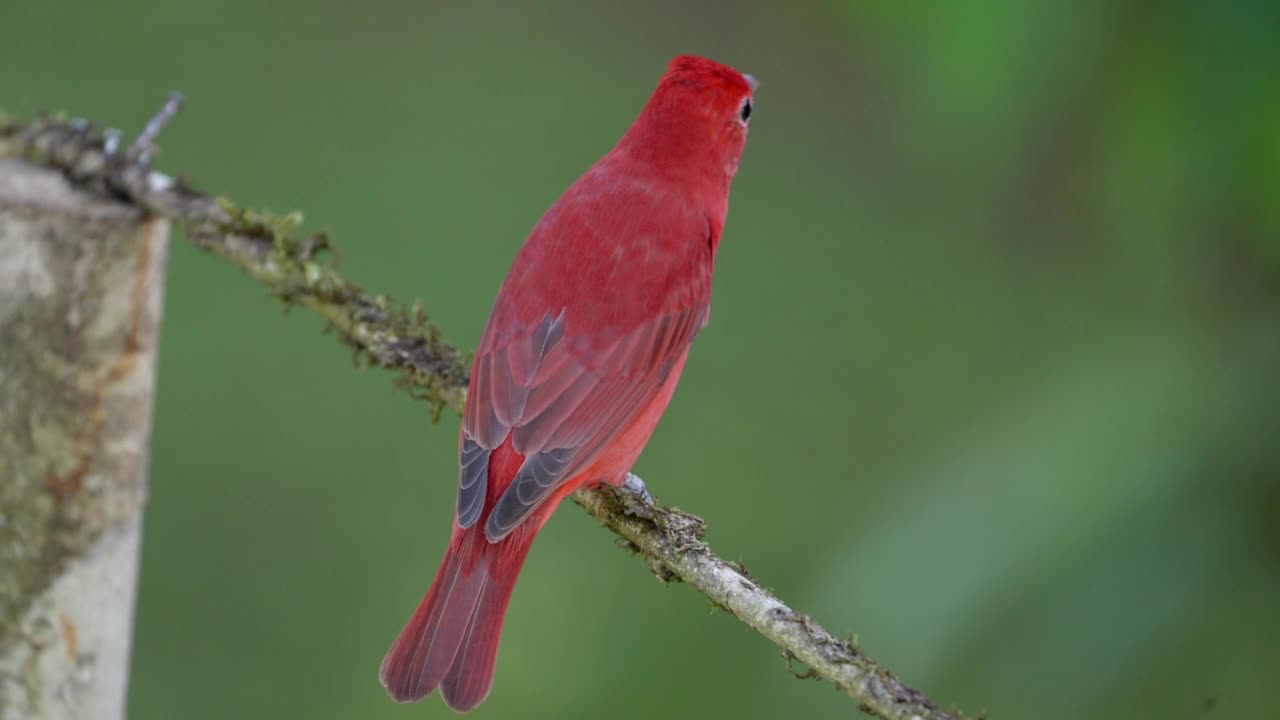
(582, 351)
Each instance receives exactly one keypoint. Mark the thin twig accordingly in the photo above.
(142, 148)
(390, 335)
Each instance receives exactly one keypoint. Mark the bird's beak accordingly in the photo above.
(751, 81)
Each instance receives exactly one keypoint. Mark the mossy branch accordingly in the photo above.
(266, 247)
(390, 335)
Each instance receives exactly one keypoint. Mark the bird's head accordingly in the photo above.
(697, 118)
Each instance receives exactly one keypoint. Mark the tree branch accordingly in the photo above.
(388, 334)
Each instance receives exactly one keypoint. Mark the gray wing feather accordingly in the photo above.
(539, 392)
(473, 480)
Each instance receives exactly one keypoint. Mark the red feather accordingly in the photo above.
(581, 354)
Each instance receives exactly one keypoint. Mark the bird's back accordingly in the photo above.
(618, 248)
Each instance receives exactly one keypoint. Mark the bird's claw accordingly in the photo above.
(633, 484)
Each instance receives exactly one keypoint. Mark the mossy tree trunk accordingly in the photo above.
(81, 282)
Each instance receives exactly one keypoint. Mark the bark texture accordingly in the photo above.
(81, 282)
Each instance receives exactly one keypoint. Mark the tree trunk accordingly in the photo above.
(81, 282)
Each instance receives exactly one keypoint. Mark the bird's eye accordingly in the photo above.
(745, 112)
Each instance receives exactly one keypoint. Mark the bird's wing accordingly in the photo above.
(561, 400)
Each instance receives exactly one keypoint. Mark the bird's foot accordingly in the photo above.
(633, 484)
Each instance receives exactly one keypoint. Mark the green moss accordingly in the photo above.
(299, 270)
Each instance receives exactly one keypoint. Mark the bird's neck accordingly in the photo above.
(679, 151)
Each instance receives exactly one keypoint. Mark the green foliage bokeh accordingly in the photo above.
(990, 382)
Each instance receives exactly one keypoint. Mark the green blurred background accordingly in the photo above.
(991, 381)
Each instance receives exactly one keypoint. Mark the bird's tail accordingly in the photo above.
(451, 642)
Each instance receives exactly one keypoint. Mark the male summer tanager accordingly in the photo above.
(579, 359)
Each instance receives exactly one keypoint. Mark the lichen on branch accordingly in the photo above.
(296, 269)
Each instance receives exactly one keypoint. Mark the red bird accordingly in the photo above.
(580, 356)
